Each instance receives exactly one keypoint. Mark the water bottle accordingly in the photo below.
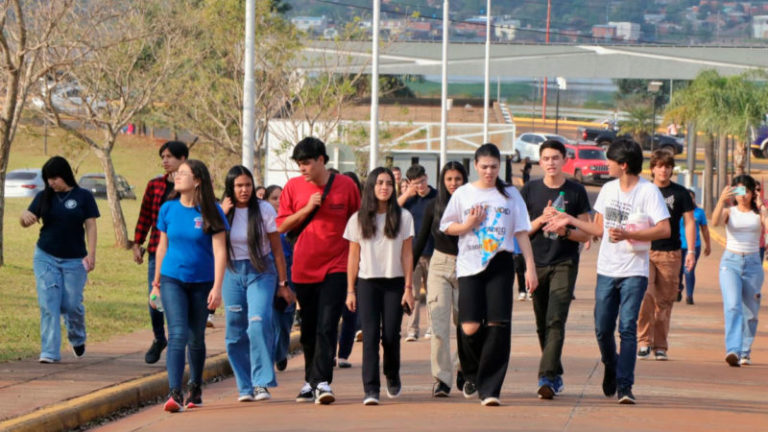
(559, 205)
(638, 221)
(156, 302)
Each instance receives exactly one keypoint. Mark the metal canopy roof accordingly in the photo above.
(510, 60)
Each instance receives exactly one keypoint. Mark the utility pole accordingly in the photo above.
(444, 91)
(248, 84)
(546, 40)
(487, 70)
(373, 158)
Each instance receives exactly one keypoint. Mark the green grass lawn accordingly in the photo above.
(115, 295)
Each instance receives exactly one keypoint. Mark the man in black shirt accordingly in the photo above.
(556, 259)
(415, 199)
(665, 260)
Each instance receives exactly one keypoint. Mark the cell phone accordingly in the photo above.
(740, 190)
(407, 309)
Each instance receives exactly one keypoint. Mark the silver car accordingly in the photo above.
(527, 145)
(22, 183)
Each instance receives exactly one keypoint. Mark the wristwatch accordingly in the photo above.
(283, 283)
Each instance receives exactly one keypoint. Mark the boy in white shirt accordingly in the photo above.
(622, 264)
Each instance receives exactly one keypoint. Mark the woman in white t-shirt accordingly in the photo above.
(380, 235)
(741, 271)
(253, 251)
(487, 215)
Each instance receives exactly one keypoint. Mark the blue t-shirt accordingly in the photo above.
(189, 257)
(63, 231)
(701, 219)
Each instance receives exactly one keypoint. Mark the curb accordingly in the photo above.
(76, 412)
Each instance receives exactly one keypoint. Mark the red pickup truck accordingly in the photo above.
(586, 163)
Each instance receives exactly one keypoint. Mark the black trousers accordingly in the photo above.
(487, 298)
(551, 302)
(519, 272)
(381, 314)
(321, 306)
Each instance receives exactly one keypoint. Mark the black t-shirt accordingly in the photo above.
(417, 205)
(536, 196)
(430, 228)
(63, 231)
(678, 201)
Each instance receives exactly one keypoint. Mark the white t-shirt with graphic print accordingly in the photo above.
(616, 259)
(504, 216)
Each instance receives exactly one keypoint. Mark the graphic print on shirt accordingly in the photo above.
(199, 222)
(670, 201)
(616, 213)
(489, 235)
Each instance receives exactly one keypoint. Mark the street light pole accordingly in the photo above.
(653, 89)
(373, 161)
(444, 91)
(561, 85)
(248, 85)
(487, 70)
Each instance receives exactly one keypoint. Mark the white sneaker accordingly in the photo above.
(521, 296)
(745, 361)
(428, 334)
(411, 337)
(245, 398)
(528, 296)
(491, 401)
(261, 393)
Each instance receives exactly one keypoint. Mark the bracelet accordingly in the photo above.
(691, 253)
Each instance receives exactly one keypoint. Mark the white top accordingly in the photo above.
(504, 217)
(616, 259)
(238, 233)
(742, 232)
(380, 256)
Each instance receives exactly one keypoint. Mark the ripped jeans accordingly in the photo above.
(250, 336)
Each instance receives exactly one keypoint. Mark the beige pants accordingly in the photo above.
(419, 279)
(442, 302)
(656, 310)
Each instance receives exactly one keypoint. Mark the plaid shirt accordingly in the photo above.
(150, 206)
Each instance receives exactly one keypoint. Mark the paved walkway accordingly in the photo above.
(694, 390)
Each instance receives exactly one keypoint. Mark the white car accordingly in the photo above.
(23, 183)
(527, 145)
(69, 98)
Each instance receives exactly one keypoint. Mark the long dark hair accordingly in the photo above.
(443, 196)
(203, 198)
(356, 179)
(750, 184)
(54, 167)
(255, 226)
(490, 150)
(366, 217)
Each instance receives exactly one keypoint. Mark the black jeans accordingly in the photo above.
(519, 272)
(486, 298)
(380, 312)
(551, 302)
(321, 305)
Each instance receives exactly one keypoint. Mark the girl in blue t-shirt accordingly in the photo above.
(61, 260)
(191, 257)
(255, 267)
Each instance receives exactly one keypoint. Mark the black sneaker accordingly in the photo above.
(306, 394)
(371, 398)
(174, 402)
(194, 396)
(689, 300)
(394, 387)
(626, 397)
(679, 295)
(282, 364)
(644, 353)
(79, 350)
(469, 389)
(460, 380)
(440, 389)
(153, 353)
(324, 394)
(609, 381)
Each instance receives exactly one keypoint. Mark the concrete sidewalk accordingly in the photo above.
(694, 390)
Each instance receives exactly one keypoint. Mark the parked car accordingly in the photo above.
(586, 163)
(527, 145)
(22, 183)
(68, 98)
(760, 145)
(97, 184)
(604, 138)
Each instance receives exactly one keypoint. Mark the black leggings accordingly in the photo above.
(380, 313)
(519, 272)
(487, 298)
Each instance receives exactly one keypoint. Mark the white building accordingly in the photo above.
(760, 26)
(308, 23)
(504, 29)
(626, 30)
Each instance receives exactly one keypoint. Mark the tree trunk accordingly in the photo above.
(6, 137)
(115, 209)
(722, 162)
(739, 157)
(709, 184)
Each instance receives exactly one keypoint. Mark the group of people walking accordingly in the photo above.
(323, 242)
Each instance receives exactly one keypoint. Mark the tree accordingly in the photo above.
(206, 97)
(134, 47)
(29, 32)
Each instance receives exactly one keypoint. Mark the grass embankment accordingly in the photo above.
(115, 295)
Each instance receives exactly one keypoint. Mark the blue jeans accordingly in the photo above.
(250, 337)
(689, 276)
(741, 278)
(186, 310)
(282, 323)
(60, 283)
(157, 317)
(619, 297)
